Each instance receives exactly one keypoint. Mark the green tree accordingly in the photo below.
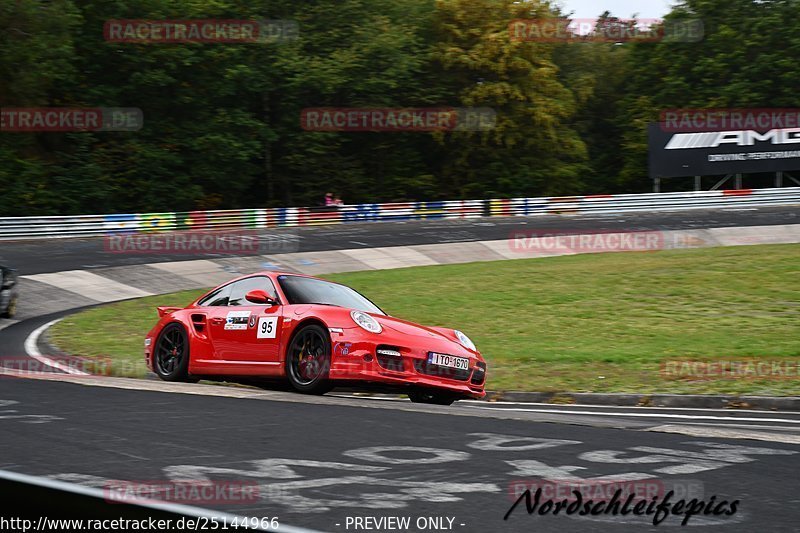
(36, 61)
(747, 58)
(532, 149)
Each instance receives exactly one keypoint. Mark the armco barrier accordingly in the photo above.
(88, 225)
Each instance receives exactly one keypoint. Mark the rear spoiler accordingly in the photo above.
(162, 310)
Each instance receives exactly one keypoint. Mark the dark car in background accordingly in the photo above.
(8, 292)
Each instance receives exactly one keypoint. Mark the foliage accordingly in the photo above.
(222, 121)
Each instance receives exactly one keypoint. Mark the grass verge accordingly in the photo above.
(584, 323)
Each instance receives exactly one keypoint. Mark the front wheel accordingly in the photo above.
(431, 397)
(171, 355)
(11, 310)
(308, 360)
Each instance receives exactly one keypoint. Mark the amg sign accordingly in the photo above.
(681, 141)
(722, 152)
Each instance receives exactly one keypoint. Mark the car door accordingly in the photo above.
(214, 315)
(249, 338)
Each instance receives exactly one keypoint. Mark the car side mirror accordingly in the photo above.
(260, 297)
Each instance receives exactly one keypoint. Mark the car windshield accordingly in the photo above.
(300, 290)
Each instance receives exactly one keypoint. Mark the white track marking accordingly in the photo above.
(389, 257)
(32, 349)
(645, 415)
(376, 455)
(634, 407)
(723, 433)
(486, 405)
(89, 285)
(779, 429)
(500, 443)
(201, 272)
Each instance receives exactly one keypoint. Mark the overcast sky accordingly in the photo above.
(618, 8)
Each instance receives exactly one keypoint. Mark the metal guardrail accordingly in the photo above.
(15, 228)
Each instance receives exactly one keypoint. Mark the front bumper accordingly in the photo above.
(365, 360)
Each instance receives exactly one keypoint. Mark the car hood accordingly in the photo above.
(409, 328)
(340, 317)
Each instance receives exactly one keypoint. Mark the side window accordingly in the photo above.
(217, 298)
(241, 288)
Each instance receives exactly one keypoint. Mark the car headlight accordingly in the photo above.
(465, 342)
(366, 322)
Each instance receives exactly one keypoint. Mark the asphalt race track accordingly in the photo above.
(317, 465)
(332, 462)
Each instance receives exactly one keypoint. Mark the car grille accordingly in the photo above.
(423, 367)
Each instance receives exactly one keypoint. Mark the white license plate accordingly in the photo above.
(450, 361)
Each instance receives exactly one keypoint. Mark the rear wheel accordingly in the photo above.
(308, 360)
(171, 355)
(431, 397)
(11, 310)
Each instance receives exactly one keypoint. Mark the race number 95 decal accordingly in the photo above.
(267, 326)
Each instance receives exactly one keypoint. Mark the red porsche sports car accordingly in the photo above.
(314, 333)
